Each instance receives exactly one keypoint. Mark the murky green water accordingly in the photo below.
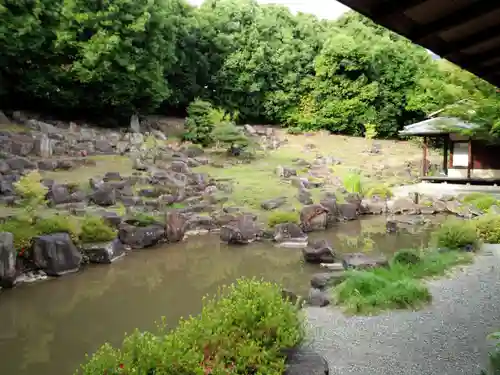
(46, 328)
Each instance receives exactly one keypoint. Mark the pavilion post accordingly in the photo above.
(446, 141)
(469, 163)
(424, 161)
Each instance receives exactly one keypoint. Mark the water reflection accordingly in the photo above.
(46, 328)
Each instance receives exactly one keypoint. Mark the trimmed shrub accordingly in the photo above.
(58, 224)
(407, 257)
(456, 234)
(242, 331)
(142, 219)
(199, 123)
(31, 190)
(94, 229)
(228, 134)
(23, 231)
(281, 217)
(488, 228)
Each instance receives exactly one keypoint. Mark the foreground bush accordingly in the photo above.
(397, 286)
(481, 201)
(94, 229)
(456, 234)
(243, 331)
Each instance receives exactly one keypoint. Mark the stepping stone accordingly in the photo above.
(303, 361)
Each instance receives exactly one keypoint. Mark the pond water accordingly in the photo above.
(47, 327)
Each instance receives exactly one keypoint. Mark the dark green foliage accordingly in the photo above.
(408, 257)
(94, 229)
(142, 219)
(241, 332)
(258, 63)
(228, 134)
(199, 123)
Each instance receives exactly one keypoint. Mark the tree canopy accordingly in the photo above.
(258, 63)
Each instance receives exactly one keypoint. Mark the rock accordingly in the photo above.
(327, 279)
(348, 211)
(180, 166)
(7, 260)
(59, 194)
(313, 218)
(103, 253)
(141, 237)
(19, 163)
(318, 252)
(303, 361)
(289, 296)
(286, 172)
(138, 165)
(304, 197)
(56, 254)
(104, 197)
(242, 231)
(43, 146)
(272, 204)
(249, 129)
(135, 125)
(192, 151)
(362, 261)
(288, 231)
(112, 218)
(318, 298)
(391, 226)
(103, 145)
(176, 226)
(200, 223)
(373, 207)
(4, 120)
(332, 266)
(403, 206)
(112, 176)
(47, 165)
(332, 216)
(4, 167)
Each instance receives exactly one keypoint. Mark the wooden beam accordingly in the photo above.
(388, 8)
(469, 163)
(446, 142)
(471, 40)
(450, 163)
(450, 21)
(424, 158)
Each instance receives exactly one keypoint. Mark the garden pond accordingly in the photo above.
(47, 327)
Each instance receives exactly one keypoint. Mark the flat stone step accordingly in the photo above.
(304, 361)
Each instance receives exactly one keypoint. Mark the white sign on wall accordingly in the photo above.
(460, 154)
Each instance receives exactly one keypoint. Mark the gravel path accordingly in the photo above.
(447, 338)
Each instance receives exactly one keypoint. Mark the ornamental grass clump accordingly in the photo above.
(243, 331)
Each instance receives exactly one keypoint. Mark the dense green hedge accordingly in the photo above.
(242, 331)
(257, 62)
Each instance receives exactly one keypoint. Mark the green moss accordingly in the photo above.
(381, 191)
(281, 217)
(481, 201)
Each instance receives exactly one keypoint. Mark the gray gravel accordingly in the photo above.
(446, 338)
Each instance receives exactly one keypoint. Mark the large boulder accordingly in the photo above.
(7, 260)
(272, 204)
(401, 206)
(348, 211)
(319, 252)
(313, 218)
(104, 196)
(288, 231)
(361, 261)
(332, 216)
(141, 237)
(373, 206)
(327, 279)
(176, 226)
(105, 252)
(56, 254)
(318, 298)
(244, 230)
(303, 361)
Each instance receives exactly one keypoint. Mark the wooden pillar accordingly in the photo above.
(469, 164)
(446, 141)
(424, 158)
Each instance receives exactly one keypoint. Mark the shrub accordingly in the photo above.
(456, 234)
(352, 183)
(280, 217)
(95, 229)
(228, 134)
(371, 131)
(488, 228)
(381, 191)
(481, 201)
(58, 224)
(407, 257)
(294, 130)
(31, 190)
(243, 331)
(199, 123)
(494, 357)
(23, 231)
(142, 219)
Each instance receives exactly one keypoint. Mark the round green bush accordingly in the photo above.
(94, 229)
(407, 257)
